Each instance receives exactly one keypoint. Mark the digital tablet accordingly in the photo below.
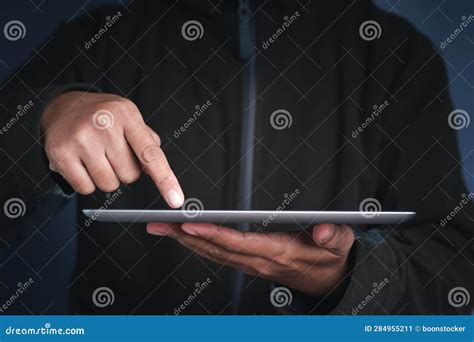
(264, 218)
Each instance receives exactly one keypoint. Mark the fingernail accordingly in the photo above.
(175, 199)
(327, 235)
(190, 231)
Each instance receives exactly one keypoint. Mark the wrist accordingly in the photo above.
(55, 107)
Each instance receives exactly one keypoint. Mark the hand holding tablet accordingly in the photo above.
(318, 256)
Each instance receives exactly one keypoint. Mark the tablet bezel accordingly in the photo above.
(263, 217)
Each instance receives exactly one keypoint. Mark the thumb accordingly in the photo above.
(337, 239)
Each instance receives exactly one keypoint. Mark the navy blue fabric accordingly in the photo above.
(57, 237)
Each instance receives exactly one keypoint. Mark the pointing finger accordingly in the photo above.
(145, 146)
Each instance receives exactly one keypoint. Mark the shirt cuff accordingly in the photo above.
(370, 282)
(24, 154)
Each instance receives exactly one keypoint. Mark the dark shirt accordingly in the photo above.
(368, 120)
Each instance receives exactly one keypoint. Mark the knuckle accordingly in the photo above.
(215, 236)
(55, 160)
(157, 138)
(109, 187)
(81, 138)
(164, 181)
(266, 270)
(150, 153)
(231, 245)
(126, 107)
(56, 153)
(213, 253)
(52, 166)
(126, 103)
(282, 258)
(130, 177)
(85, 189)
(180, 240)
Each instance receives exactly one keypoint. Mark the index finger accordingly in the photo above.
(150, 154)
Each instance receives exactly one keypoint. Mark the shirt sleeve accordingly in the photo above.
(423, 266)
(416, 267)
(56, 66)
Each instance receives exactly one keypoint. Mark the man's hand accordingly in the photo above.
(101, 140)
(313, 264)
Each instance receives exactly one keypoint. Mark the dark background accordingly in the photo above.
(48, 255)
